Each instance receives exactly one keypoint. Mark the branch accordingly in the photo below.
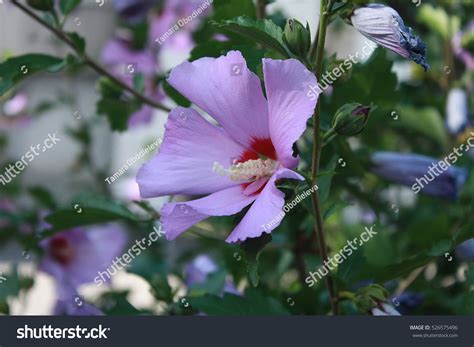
(261, 6)
(317, 145)
(87, 60)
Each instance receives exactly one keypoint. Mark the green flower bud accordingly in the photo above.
(370, 297)
(42, 5)
(351, 119)
(297, 37)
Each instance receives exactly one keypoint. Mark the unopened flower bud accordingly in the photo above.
(351, 119)
(297, 37)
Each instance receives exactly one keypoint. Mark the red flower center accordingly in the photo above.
(61, 250)
(259, 148)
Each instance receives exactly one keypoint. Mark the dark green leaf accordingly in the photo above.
(251, 304)
(43, 197)
(88, 210)
(15, 69)
(78, 41)
(67, 6)
(41, 5)
(252, 248)
(117, 112)
(265, 32)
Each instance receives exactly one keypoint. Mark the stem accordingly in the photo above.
(87, 60)
(261, 6)
(317, 145)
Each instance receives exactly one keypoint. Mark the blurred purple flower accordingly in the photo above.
(70, 303)
(465, 251)
(460, 42)
(174, 25)
(456, 111)
(133, 11)
(411, 170)
(385, 310)
(383, 25)
(14, 112)
(200, 268)
(238, 162)
(125, 62)
(73, 257)
(407, 302)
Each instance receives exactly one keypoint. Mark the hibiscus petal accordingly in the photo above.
(184, 164)
(267, 211)
(292, 93)
(226, 89)
(178, 217)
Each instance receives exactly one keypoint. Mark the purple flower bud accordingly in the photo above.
(383, 25)
(419, 172)
(465, 251)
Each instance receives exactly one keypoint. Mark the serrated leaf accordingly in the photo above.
(16, 69)
(263, 31)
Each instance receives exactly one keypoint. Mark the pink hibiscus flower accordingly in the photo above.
(238, 162)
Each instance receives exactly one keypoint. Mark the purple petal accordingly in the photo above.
(412, 169)
(292, 96)
(226, 89)
(90, 250)
(456, 110)
(119, 54)
(184, 164)
(383, 25)
(266, 213)
(178, 217)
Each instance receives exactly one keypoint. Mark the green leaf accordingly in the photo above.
(426, 121)
(253, 303)
(117, 112)
(78, 41)
(89, 210)
(403, 268)
(41, 5)
(438, 21)
(265, 32)
(14, 70)
(214, 284)
(43, 197)
(67, 6)
(252, 248)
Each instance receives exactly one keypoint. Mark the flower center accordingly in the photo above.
(259, 161)
(249, 170)
(61, 250)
